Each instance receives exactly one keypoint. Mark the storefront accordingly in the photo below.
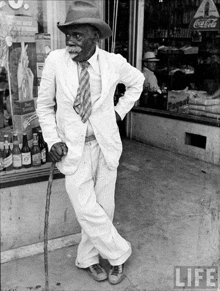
(180, 111)
(182, 117)
(28, 34)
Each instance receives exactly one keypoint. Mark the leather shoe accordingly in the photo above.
(116, 274)
(97, 272)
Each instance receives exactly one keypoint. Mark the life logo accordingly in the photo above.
(196, 278)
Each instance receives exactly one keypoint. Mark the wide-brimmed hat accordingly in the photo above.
(150, 57)
(85, 12)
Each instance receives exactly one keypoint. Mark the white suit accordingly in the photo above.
(91, 191)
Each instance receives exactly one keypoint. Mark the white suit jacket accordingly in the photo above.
(59, 85)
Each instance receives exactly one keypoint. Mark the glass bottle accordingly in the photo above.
(7, 155)
(165, 97)
(35, 152)
(1, 160)
(25, 152)
(16, 153)
(43, 147)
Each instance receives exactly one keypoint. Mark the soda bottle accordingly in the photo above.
(7, 155)
(35, 152)
(25, 152)
(43, 147)
(16, 153)
(1, 160)
(165, 97)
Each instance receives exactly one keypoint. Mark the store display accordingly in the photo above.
(26, 153)
(35, 152)
(43, 48)
(1, 160)
(24, 112)
(178, 100)
(43, 147)
(32, 151)
(7, 154)
(204, 106)
(16, 153)
(165, 97)
(24, 75)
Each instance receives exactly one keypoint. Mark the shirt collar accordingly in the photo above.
(94, 59)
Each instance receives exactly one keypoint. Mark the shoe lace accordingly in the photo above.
(116, 270)
(97, 268)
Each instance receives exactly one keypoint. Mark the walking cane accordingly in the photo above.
(46, 223)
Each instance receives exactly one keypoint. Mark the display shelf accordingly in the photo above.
(177, 116)
(27, 176)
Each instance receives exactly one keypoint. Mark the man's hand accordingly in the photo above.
(118, 118)
(58, 150)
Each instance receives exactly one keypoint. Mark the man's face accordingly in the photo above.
(150, 65)
(81, 42)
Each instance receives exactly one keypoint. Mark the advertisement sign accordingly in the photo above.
(22, 28)
(206, 17)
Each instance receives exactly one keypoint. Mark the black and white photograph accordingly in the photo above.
(110, 145)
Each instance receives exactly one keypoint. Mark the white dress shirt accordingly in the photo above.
(95, 83)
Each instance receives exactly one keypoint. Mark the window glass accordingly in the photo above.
(181, 57)
(27, 35)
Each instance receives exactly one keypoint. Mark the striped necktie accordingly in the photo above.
(82, 104)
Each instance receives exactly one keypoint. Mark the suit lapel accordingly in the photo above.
(105, 77)
(70, 74)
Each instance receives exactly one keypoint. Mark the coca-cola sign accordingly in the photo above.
(206, 17)
(205, 24)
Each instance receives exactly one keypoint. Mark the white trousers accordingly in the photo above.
(91, 190)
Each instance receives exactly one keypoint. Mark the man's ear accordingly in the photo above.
(96, 36)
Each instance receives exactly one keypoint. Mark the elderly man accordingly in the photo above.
(149, 67)
(82, 134)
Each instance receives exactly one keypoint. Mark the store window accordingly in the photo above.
(181, 57)
(28, 33)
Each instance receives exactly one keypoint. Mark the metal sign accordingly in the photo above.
(206, 18)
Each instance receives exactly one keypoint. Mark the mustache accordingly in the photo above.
(73, 49)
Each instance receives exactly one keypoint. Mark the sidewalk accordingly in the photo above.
(167, 206)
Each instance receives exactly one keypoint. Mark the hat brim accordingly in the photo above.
(103, 27)
(151, 60)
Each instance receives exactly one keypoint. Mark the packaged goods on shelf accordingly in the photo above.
(205, 114)
(177, 99)
(24, 113)
(9, 131)
(189, 50)
(204, 101)
(204, 106)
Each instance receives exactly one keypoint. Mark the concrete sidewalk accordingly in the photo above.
(167, 206)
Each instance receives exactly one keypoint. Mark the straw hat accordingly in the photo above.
(85, 12)
(150, 57)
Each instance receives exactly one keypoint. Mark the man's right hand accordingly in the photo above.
(57, 151)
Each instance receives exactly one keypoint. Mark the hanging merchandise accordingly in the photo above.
(206, 18)
(24, 75)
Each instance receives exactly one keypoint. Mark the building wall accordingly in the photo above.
(170, 134)
(23, 211)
